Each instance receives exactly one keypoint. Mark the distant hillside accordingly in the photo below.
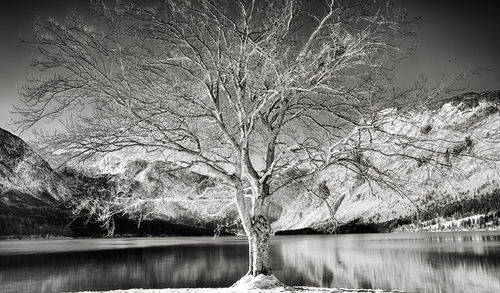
(466, 124)
(468, 127)
(35, 199)
(30, 191)
(22, 171)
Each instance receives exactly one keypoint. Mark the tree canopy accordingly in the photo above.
(259, 94)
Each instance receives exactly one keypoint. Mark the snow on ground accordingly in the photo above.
(260, 283)
(450, 223)
(236, 290)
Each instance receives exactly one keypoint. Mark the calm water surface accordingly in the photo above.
(418, 262)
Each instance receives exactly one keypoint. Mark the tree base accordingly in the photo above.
(261, 281)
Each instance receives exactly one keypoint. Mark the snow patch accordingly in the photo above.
(250, 282)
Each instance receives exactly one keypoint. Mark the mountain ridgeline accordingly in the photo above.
(35, 199)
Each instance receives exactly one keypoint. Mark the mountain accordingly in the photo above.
(34, 198)
(165, 190)
(31, 192)
(25, 176)
(466, 125)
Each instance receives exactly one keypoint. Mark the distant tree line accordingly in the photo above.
(48, 221)
(42, 221)
(488, 203)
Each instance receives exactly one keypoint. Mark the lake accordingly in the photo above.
(414, 262)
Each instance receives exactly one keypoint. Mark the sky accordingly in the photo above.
(453, 36)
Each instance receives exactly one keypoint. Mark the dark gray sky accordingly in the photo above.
(452, 36)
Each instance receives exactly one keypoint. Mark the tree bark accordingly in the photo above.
(259, 240)
(258, 231)
(254, 216)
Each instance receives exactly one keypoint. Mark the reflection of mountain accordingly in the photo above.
(431, 263)
(177, 266)
(424, 266)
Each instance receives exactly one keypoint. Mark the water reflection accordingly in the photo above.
(420, 263)
(424, 262)
(157, 267)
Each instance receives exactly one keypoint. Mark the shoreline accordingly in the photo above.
(249, 283)
(395, 231)
(241, 290)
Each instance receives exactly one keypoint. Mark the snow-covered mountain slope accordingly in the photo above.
(171, 192)
(24, 175)
(464, 131)
(147, 188)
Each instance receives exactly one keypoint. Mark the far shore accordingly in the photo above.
(282, 233)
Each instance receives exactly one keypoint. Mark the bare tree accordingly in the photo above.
(259, 94)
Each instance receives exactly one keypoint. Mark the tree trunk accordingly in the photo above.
(258, 230)
(258, 242)
(254, 217)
